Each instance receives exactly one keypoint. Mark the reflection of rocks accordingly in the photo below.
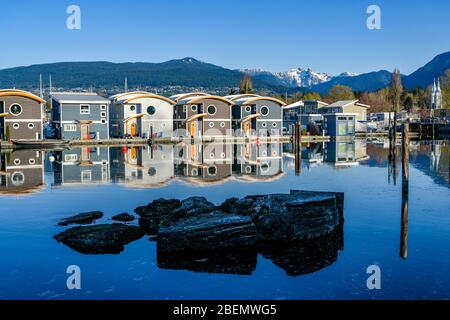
(124, 217)
(99, 239)
(208, 232)
(233, 262)
(82, 218)
(305, 257)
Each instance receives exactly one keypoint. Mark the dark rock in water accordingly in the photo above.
(156, 214)
(161, 213)
(238, 206)
(232, 262)
(124, 217)
(305, 257)
(208, 232)
(82, 218)
(228, 205)
(100, 239)
(294, 217)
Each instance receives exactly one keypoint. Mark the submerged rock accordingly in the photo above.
(216, 231)
(124, 217)
(100, 239)
(82, 218)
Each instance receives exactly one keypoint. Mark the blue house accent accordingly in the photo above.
(80, 116)
(339, 124)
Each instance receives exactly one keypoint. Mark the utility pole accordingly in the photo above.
(50, 88)
(126, 85)
(41, 93)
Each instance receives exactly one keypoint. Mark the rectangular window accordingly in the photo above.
(70, 127)
(103, 107)
(103, 114)
(85, 109)
(70, 158)
(103, 121)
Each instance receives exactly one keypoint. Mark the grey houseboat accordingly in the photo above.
(21, 115)
(80, 116)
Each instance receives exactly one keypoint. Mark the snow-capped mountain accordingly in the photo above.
(294, 78)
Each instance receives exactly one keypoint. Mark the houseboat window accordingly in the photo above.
(17, 179)
(194, 108)
(16, 109)
(212, 110)
(212, 171)
(30, 126)
(103, 121)
(16, 126)
(151, 110)
(264, 111)
(103, 114)
(222, 124)
(248, 109)
(211, 124)
(70, 127)
(342, 118)
(133, 108)
(32, 161)
(102, 107)
(16, 162)
(85, 109)
(350, 118)
(264, 125)
(274, 125)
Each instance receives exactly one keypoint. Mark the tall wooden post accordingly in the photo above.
(298, 149)
(405, 192)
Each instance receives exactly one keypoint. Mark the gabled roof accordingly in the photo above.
(78, 97)
(295, 105)
(20, 93)
(194, 100)
(345, 103)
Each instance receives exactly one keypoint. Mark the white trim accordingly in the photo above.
(82, 102)
(36, 166)
(76, 122)
(23, 120)
(13, 104)
(85, 105)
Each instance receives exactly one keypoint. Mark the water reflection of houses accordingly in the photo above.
(81, 166)
(258, 162)
(203, 164)
(21, 172)
(145, 167)
(346, 153)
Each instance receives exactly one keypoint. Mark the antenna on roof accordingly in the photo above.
(126, 85)
(50, 83)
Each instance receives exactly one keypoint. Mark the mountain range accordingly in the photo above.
(189, 72)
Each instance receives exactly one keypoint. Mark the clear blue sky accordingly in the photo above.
(327, 35)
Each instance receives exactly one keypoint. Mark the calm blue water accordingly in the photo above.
(36, 194)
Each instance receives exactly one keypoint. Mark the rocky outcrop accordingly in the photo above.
(124, 217)
(100, 239)
(161, 213)
(215, 231)
(82, 218)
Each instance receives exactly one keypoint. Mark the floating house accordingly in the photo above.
(21, 115)
(182, 96)
(141, 114)
(339, 124)
(80, 116)
(347, 106)
(83, 166)
(202, 116)
(260, 116)
(21, 172)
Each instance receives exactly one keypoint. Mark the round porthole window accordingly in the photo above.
(264, 111)
(248, 170)
(223, 155)
(212, 155)
(264, 153)
(151, 110)
(248, 109)
(274, 125)
(212, 110)
(264, 125)
(31, 126)
(274, 153)
(265, 167)
(212, 171)
(16, 109)
(17, 162)
(16, 126)
(18, 179)
(32, 161)
(194, 108)
(194, 172)
(152, 172)
(222, 124)
(133, 108)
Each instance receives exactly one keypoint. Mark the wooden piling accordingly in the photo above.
(298, 149)
(405, 192)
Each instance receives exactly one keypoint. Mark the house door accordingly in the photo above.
(247, 128)
(85, 132)
(133, 129)
(193, 129)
